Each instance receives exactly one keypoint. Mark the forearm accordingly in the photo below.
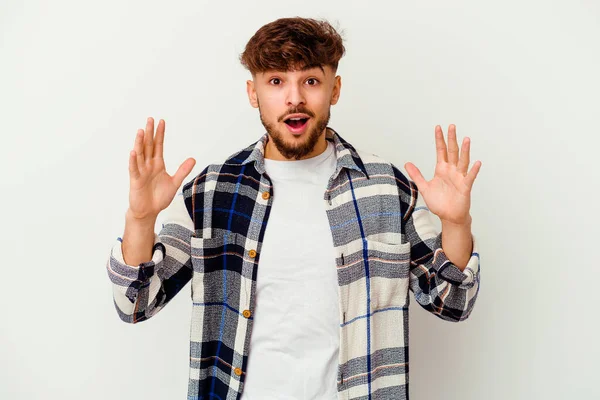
(138, 240)
(144, 283)
(457, 242)
(439, 278)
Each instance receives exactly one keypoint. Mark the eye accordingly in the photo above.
(277, 81)
(312, 80)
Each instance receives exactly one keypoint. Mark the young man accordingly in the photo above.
(300, 248)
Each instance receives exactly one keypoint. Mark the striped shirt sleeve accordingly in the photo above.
(141, 291)
(439, 286)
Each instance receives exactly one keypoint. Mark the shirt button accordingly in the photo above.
(266, 195)
(237, 371)
(247, 313)
(252, 253)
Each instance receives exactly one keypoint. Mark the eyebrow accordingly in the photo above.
(303, 69)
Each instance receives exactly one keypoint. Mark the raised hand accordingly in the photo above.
(448, 194)
(151, 188)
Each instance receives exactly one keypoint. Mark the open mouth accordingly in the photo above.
(296, 125)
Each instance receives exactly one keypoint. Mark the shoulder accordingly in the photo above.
(206, 179)
(385, 172)
(378, 166)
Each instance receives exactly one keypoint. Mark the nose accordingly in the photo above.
(295, 95)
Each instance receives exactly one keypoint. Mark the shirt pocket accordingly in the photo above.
(389, 269)
(387, 266)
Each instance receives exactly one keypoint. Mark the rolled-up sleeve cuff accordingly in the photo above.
(120, 271)
(451, 273)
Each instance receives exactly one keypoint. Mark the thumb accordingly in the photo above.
(184, 170)
(415, 175)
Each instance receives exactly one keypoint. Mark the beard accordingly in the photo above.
(296, 151)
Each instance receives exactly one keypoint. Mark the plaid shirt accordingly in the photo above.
(385, 244)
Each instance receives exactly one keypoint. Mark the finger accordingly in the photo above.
(463, 163)
(470, 178)
(415, 174)
(440, 145)
(148, 142)
(184, 170)
(159, 140)
(139, 149)
(134, 173)
(452, 145)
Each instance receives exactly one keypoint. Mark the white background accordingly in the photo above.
(520, 78)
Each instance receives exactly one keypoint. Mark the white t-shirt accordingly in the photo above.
(295, 338)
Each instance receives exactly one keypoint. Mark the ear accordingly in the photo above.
(251, 90)
(337, 87)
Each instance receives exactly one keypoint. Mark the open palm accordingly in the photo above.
(151, 188)
(448, 194)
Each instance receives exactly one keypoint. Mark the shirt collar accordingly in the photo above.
(346, 154)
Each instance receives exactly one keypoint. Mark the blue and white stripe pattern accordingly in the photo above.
(386, 245)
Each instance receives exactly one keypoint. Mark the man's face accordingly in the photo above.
(294, 108)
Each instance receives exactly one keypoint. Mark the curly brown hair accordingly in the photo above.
(293, 43)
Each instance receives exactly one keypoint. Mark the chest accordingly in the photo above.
(355, 220)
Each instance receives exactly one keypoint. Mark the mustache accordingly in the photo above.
(296, 110)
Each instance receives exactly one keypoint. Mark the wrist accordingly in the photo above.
(458, 224)
(149, 220)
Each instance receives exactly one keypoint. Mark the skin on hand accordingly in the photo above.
(448, 194)
(151, 188)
